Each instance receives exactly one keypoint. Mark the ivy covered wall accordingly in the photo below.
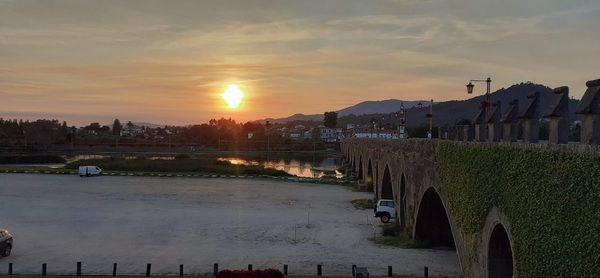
(551, 199)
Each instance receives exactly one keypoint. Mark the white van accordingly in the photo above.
(385, 210)
(88, 171)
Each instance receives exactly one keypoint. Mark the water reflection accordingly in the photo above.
(319, 169)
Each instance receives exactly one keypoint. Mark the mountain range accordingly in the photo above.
(444, 113)
(363, 108)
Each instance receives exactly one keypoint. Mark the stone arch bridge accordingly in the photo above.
(454, 194)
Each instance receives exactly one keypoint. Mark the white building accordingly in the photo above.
(132, 131)
(375, 134)
(331, 134)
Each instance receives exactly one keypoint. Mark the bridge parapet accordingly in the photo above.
(526, 126)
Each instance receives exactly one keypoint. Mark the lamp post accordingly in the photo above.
(401, 117)
(373, 125)
(484, 104)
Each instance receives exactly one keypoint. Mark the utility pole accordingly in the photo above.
(430, 117)
(268, 139)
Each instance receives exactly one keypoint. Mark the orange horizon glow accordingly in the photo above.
(159, 67)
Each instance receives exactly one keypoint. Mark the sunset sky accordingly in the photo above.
(167, 62)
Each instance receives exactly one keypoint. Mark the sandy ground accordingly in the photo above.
(61, 219)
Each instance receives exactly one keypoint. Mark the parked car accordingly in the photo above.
(6, 243)
(385, 210)
(88, 171)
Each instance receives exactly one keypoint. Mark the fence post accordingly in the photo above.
(319, 270)
(114, 269)
(10, 269)
(249, 267)
(181, 270)
(44, 269)
(148, 269)
(78, 269)
(215, 269)
(353, 270)
(390, 271)
(426, 272)
(285, 269)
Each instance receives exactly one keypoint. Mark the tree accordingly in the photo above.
(117, 127)
(330, 119)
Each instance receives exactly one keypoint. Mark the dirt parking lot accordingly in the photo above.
(62, 219)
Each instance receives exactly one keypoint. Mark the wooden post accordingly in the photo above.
(114, 270)
(78, 269)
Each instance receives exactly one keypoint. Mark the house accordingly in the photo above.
(132, 131)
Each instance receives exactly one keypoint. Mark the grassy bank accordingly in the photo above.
(363, 203)
(186, 276)
(391, 235)
(178, 165)
(31, 159)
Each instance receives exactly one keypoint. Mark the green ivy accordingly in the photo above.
(551, 199)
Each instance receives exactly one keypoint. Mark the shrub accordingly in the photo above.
(267, 273)
(182, 156)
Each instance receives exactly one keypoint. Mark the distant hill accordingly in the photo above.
(454, 111)
(363, 108)
(150, 125)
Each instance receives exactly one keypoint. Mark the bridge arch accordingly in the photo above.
(500, 258)
(386, 184)
(360, 168)
(402, 202)
(432, 223)
(369, 176)
(376, 180)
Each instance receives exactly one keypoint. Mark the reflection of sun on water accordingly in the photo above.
(233, 96)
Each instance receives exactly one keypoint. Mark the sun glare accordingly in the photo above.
(233, 96)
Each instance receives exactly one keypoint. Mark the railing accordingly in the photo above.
(181, 271)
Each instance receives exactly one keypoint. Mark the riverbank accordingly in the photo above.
(61, 171)
(180, 164)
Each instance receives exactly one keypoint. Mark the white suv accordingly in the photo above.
(385, 210)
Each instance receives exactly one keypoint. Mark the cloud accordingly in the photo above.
(168, 61)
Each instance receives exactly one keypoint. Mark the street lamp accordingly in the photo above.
(484, 104)
(373, 125)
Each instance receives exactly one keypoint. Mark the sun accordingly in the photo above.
(233, 96)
